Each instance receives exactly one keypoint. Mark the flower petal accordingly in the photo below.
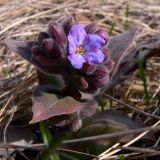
(93, 42)
(78, 33)
(71, 45)
(95, 57)
(76, 60)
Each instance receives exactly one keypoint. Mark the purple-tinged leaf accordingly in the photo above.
(119, 47)
(45, 64)
(130, 63)
(107, 122)
(55, 80)
(51, 48)
(23, 48)
(15, 135)
(47, 105)
(110, 122)
(90, 108)
(139, 52)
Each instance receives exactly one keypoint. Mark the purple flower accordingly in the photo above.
(84, 48)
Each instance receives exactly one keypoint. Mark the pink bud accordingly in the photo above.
(101, 72)
(83, 83)
(100, 83)
(92, 28)
(103, 34)
(42, 36)
(36, 51)
(110, 65)
(56, 31)
(51, 48)
(67, 24)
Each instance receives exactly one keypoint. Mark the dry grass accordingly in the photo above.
(24, 19)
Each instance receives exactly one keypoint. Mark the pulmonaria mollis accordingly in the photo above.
(84, 48)
(89, 55)
(79, 53)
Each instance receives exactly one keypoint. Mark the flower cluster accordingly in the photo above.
(84, 47)
(78, 51)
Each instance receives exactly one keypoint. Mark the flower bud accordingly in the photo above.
(51, 48)
(109, 64)
(100, 83)
(57, 33)
(42, 36)
(97, 77)
(101, 71)
(67, 24)
(36, 50)
(89, 69)
(103, 34)
(81, 83)
(92, 28)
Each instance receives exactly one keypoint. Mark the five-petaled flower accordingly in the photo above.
(84, 48)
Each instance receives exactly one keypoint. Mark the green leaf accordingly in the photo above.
(143, 77)
(121, 157)
(49, 154)
(47, 137)
(55, 156)
(50, 143)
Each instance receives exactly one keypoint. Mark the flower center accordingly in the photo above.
(80, 50)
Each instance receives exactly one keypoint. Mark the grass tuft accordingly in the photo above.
(143, 77)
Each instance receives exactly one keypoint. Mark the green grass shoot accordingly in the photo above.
(143, 77)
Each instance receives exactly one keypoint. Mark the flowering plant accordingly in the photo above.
(72, 59)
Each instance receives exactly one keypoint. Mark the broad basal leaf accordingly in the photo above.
(140, 52)
(127, 54)
(47, 105)
(119, 47)
(107, 122)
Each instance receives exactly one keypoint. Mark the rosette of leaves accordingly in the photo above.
(60, 79)
(72, 59)
(78, 53)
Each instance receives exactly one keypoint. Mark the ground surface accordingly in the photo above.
(24, 19)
